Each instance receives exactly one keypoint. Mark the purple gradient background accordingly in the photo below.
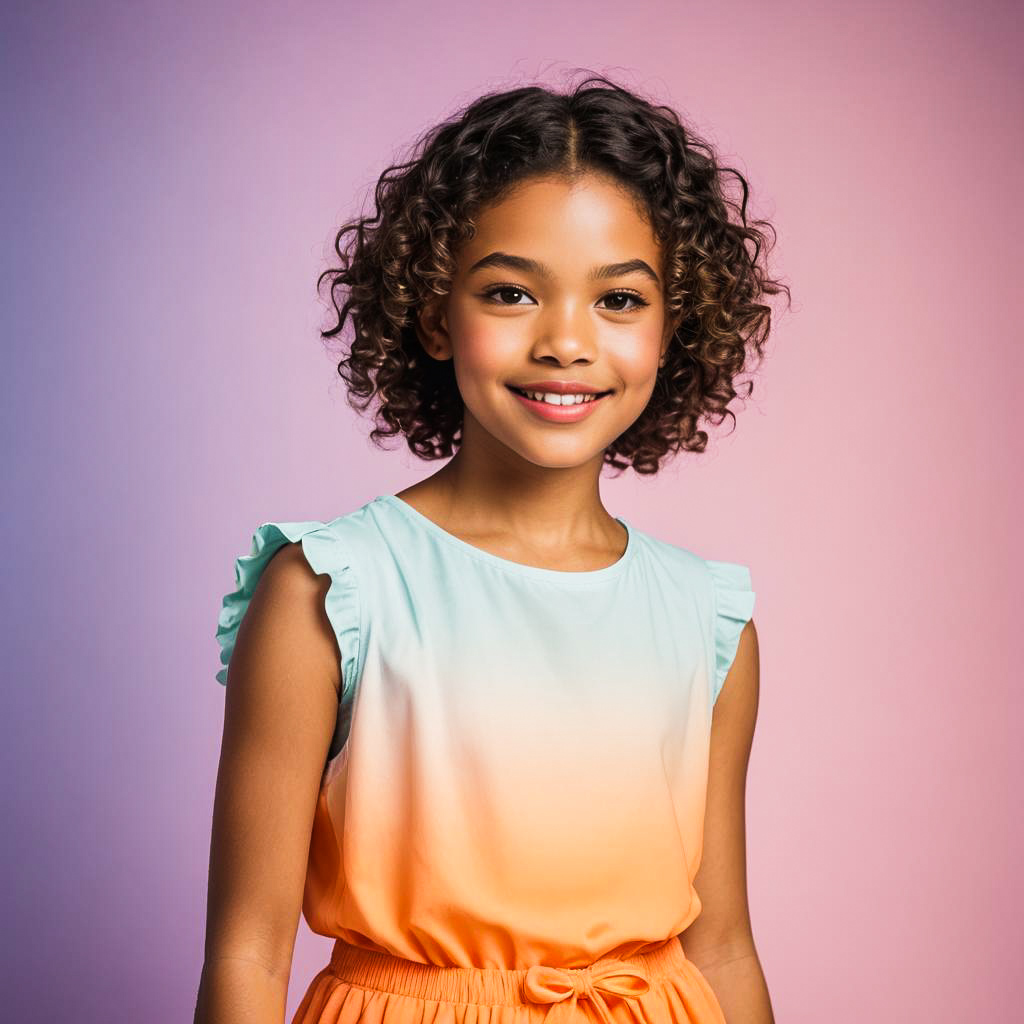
(174, 175)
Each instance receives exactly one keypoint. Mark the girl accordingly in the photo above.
(468, 726)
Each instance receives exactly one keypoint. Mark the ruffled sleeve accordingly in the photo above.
(326, 553)
(734, 606)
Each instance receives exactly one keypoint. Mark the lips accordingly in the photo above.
(558, 391)
(552, 412)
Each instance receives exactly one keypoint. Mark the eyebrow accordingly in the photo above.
(529, 266)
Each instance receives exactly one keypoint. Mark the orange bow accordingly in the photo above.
(614, 977)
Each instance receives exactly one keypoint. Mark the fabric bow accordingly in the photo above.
(554, 985)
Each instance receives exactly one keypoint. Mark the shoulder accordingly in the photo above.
(289, 575)
(721, 594)
(719, 579)
(670, 556)
(681, 571)
(287, 614)
(736, 705)
(295, 585)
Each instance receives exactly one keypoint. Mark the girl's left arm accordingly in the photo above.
(720, 941)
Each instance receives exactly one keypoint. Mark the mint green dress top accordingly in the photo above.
(519, 766)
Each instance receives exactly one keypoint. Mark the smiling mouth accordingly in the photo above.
(552, 398)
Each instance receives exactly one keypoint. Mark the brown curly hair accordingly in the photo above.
(425, 209)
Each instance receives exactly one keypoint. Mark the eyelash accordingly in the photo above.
(509, 287)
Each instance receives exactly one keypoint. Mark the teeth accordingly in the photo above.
(555, 399)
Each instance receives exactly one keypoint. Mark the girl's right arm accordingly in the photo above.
(281, 706)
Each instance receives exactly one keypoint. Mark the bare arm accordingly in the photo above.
(720, 942)
(281, 704)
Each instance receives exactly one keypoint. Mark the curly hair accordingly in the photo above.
(425, 207)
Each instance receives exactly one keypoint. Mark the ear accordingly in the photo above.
(432, 329)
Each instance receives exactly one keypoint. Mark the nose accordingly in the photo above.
(566, 334)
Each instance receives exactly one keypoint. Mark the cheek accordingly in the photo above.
(480, 351)
(482, 346)
(637, 361)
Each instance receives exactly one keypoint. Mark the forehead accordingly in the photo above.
(566, 222)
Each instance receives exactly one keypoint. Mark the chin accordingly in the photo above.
(552, 448)
(555, 456)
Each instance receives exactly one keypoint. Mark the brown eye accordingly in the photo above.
(505, 289)
(640, 302)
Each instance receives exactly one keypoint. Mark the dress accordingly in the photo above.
(511, 811)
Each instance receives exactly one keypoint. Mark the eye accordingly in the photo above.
(499, 289)
(514, 289)
(635, 296)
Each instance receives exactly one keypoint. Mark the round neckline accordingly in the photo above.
(583, 576)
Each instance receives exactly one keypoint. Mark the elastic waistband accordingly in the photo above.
(624, 977)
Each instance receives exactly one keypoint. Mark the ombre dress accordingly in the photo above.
(511, 812)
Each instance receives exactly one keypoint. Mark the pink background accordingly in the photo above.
(175, 175)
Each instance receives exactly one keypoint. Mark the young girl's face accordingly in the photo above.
(561, 284)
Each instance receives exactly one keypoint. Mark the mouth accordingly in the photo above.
(555, 408)
(559, 400)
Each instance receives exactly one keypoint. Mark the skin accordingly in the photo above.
(280, 708)
(720, 942)
(520, 487)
